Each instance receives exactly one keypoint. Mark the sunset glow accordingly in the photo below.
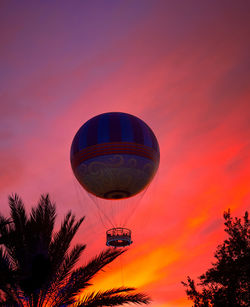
(184, 69)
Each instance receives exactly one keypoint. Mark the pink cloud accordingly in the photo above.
(185, 75)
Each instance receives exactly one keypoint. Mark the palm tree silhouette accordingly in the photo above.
(37, 265)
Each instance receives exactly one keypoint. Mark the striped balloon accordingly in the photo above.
(114, 155)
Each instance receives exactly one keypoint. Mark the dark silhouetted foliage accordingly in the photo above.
(37, 265)
(227, 282)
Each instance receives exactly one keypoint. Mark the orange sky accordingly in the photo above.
(184, 69)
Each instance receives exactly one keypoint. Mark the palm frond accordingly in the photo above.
(16, 244)
(63, 272)
(113, 297)
(61, 260)
(69, 262)
(97, 264)
(42, 218)
(62, 239)
(36, 265)
(7, 272)
(80, 277)
(4, 222)
(109, 292)
(18, 213)
(8, 280)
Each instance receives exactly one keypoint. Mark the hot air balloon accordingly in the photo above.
(114, 156)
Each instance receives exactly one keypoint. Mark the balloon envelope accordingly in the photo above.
(114, 155)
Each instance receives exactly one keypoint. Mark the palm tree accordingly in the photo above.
(37, 265)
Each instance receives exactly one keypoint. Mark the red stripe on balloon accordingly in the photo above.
(114, 148)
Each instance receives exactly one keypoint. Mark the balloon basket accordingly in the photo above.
(118, 237)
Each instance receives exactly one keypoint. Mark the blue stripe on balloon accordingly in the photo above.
(155, 144)
(74, 147)
(137, 130)
(147, 135)
(115, 127)
(82, 137)
(103, 129)
(92, 131)
(126, 128)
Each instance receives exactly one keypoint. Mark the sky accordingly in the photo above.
(181, 66)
